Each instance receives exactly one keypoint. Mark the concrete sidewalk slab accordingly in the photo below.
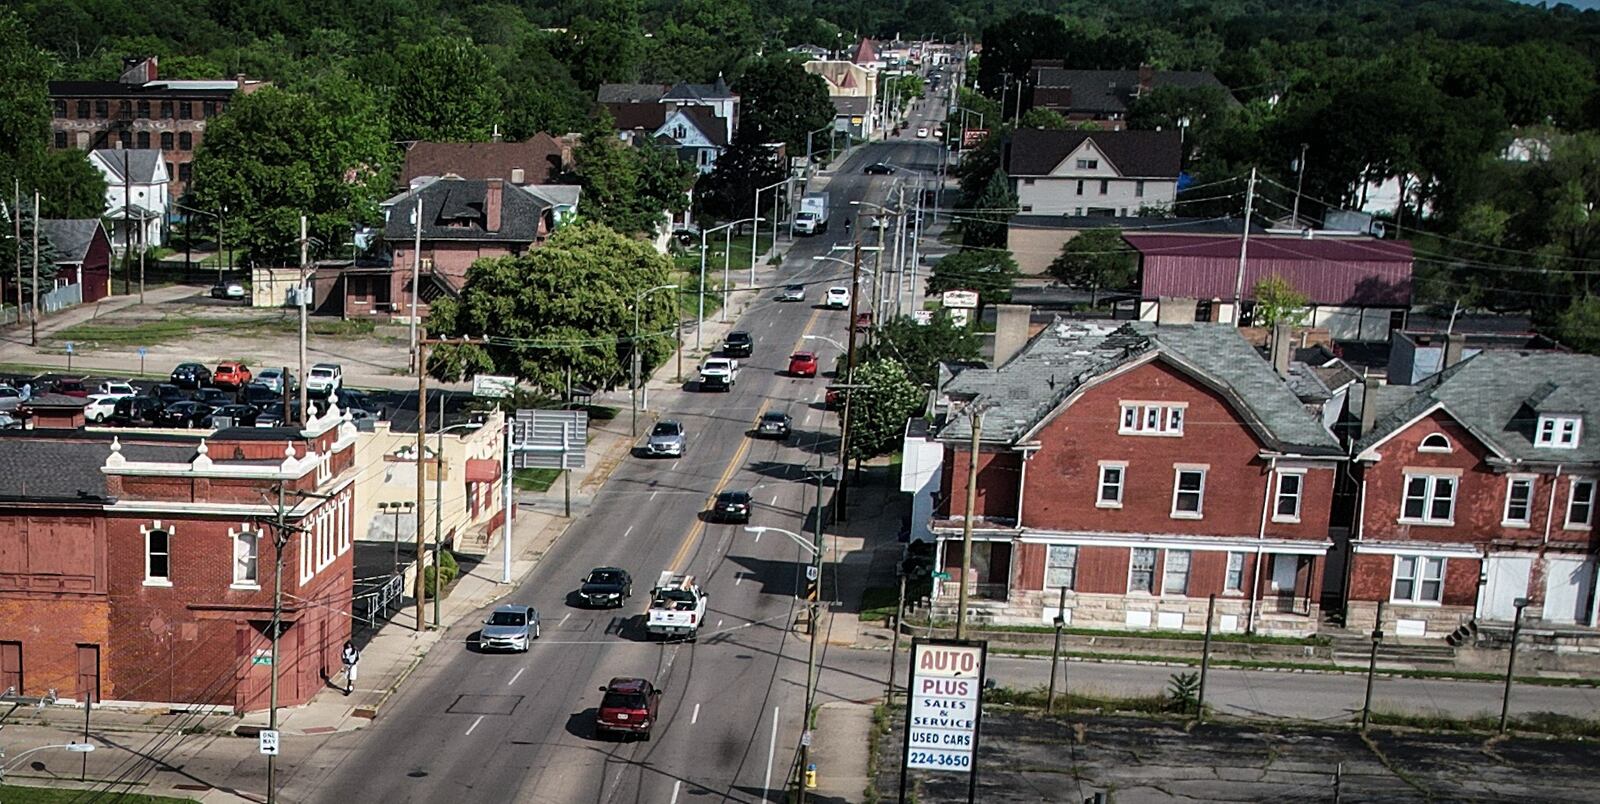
(838, 749)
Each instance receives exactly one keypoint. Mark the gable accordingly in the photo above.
(683, 130)
(1403, 440)
(1087, 150)
(1209, 414)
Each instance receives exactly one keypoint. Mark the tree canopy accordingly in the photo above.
(922, 347)
(1096, 259)
(628, 187)
(780, 102)
(878, 411)
(445, 89)
(990, 272)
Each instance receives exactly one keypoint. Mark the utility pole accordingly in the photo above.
(422, 466)
(1299, 182)
(1244, 249)
(842, 495)
(1511, 662)
(16, 223)
(300, 301)
(894, 648)
(127, 227)
(1205, 658)
(966, 524)
(438, 510)
(507, 476)
(1372, 666)
(815, 595)
(755, 237)
(280, 539)
(33, 317)
(416, 282)
(142, 248)
(1055, 652)
(219, 244)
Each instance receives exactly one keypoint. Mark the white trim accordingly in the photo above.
(144, 537)
(1121, 484)
(1505, 509)
(1417, 549)
(1429, 494)
(1299, 495)
(1423, 445)
(1567, 522)
(1421, 566)
(1241, 544)
(1371, 453)
(1557, 422)
(1199, 511)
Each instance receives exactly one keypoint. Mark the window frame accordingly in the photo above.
(1424, 446)
(1071, 567)
(1169, 418)
(185, 141)
(1229, 584)
(1178, 471)
(1587, 522)
(1429, 498)
(1167, 572)
(1138, 188)
(1088, 164)
(150, 578)
(251, 580)
(1105, 186)
(169, 141)
(1133, 567)
(1299, 495)
(1512, 481)
(1418, 578)
(1558, 431)
(1121, 468)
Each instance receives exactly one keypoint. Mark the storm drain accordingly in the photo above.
(484, 704)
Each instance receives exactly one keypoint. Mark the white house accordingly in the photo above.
(1094, 173)
(137, 190)
(696, 133)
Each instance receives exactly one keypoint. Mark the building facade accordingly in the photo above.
(138, 195)
(1095, 174)
(1105, 96)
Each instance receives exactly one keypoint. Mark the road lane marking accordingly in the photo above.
(654, 493)
(719, 623)
(738, 578)
(563, 620)
(696, 716)
(474, 725)
(628, 531)
(675, 787)
(772, 750)
(774, 499)
(515, 677)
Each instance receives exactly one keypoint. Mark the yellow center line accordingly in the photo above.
(689, 539)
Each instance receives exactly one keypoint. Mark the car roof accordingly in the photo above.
(325, 365)
(514, 608)
(774, 414)
(734, 494)
(739, 333)
(627, 685)
(804, 354)
(840, 288)
(607, 569)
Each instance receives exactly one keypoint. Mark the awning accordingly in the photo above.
(482, 470)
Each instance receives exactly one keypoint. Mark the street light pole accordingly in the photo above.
(1511, 662)
(638, 304)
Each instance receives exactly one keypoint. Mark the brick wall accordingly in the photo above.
(999, 474)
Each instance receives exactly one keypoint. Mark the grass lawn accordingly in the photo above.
(14, 794)
(143, 333)
(878, 603)
(539, 480)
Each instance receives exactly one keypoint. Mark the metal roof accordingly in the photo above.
(1358, 271)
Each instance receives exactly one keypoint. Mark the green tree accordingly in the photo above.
(1277, 300)
(25, 113)
(1039, 117)
(781, 102)
(1200, 111)
(879, 411)
(541, 95)
(69, 186)
(990, 272)
(277, 155)
(1578, 326)
(922, 347)
(702, 40)
(628, 188)
(605, 43)
(728, 191)
(1096, 259)
(446, 89)
(984, 226)
(565, 306)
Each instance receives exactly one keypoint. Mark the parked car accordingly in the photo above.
(834, 399)
(922, 133)
(272, 415)
(185, 414)
(259, 394)
(863, 320)
(738, 344)
(358, 402)
(240, 415)
(273, 378)
(606, 587)
(732, 506)
(100, 407)
(838, 298)
(667, 438)
(227, 290)
(10, 398)
(879, 169)
(324, 379)
(215, 397)
(166, 392)
(803, 364)
(774, 424)
(793, 293)
(70, 387)
(10, 422)
(116, 388)
(231, 374)
(135, 411)
(191, 375)
(510, 627)
(628, 708)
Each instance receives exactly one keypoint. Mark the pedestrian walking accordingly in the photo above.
(27, 391)
(352, 659)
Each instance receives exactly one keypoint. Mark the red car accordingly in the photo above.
(629, 708)
(834, 399)
(803, 364)
(231, 374)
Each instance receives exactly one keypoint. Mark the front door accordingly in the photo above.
(1507, 580)
(1569, 582)
(1285, 569)
(89, 673)
(10, 668)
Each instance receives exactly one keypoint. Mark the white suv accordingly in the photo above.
(324, 379)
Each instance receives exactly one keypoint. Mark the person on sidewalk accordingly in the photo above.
(352, 659)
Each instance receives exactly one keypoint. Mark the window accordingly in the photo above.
(1434, 442)
(60, 109)
(1027, 207)
(1145, 418)
(166, 140)
(185, 141)
(125, 110)
(1142, 570)
(126, 138)
(1111, 481)
(1580, 503)
(158, 557)
(102, 109)
(1175, 575)
(209, 108)
(1188, 493)
(1519, 502)
(144, 110)
(1418, 579)
(1027, 182)
(1291, 487)
(172, 170)
(1061, 566)
(1080, 186)
(185, 110)
(61, 139)
(83, 110)
(1138, 189)
(166, 110)
(1088, 164)
(1235, 579)
(185, 170)
(1558, 432)
(246, 553)
(144, 139)
(1105, 184)
(1429, 500)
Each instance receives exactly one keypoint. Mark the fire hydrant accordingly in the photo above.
(811, 776)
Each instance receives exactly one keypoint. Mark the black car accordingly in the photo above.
(185, 414)
(606, 587)
(239, 415)
(352, 400)
(738, 344)
(879, 169)
(134, 411)
(191, 375)
(732, 506)
(774, 424)
(166, 393)
(215, 397)
(272, 415)
(259, 394)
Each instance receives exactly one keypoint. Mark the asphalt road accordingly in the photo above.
(469, 726)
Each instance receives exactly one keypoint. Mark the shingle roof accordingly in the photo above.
(1498, 395)
(1111, 91)
(70, 238)
(1067, 355)
(34, 468)
(714, 127)
(453, 199)
(683, 90)
(631, 93)
(539, 158)
(851, 104)
(1036, 152)
(141, 163)
(1218, 226)
(154, 89)
(637, 116)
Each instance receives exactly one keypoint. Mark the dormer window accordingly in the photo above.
(1088, 164)
(1434, 442)
(1151, 418)
(1558, 432)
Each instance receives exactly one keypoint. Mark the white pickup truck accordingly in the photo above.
(677, 607)
(719, 374)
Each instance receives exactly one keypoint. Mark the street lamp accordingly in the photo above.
(638, 302)
(700, 320)
(396, 508)
(76, 748)
(1511, 661)
(755, 231)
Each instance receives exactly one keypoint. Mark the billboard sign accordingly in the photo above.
(493, 387)
(945, 706)
(973, 137)
(549, 439)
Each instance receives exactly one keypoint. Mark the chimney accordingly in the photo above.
(1369, 407)
(1010, 330)
(1455, 347)
(1147, 77)
(1282, 348)
(491, 205)
(137, 70)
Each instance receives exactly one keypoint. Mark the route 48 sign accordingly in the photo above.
(945, 706)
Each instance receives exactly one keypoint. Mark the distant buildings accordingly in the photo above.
(1105, 96)
(696, 120)
(138, 195)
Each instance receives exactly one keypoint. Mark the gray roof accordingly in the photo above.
(851, 105)
(631, 93)
(556, 195)
(34, 468)
(70, 238)
(452, 199)
(683, 91)
(1111, 91)
(1063, 358)
(141, 162)
(1036, 152)
(1498, 395)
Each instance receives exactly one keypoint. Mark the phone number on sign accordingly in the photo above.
(925, 759)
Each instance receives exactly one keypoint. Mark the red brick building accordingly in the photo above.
(1141, 469)
(143, 571)
(1478, 487)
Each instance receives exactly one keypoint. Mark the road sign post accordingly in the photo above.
(944, 709)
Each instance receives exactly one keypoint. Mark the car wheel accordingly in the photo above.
(537, 632)
(645, 736)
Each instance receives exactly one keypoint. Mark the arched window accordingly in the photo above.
(246, 555)
(1434, 442)
(158, 557)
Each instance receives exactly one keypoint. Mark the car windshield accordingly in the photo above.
(666, 429)
(728, 497)
(318, 372)
(605, 578)
(623, 700)
(508, 618)
(734, 337)
(773, 417)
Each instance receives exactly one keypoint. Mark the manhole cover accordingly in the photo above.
(484, 704)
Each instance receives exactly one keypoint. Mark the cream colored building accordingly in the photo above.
(469, 476)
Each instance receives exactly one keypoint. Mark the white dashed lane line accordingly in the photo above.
(474, 725)
(515, 677)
